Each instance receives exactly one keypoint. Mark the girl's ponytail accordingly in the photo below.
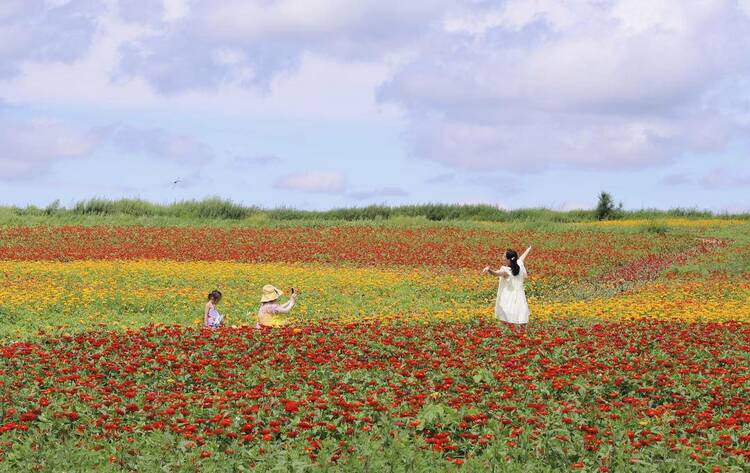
(512, 256)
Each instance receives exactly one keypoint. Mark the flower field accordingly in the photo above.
(637, 357)
(558, 253)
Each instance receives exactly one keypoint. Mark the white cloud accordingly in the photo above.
(143, 11)
(250, 43)
(44, 31)
(155, 142)
(313, 182)
(519, 85)
(321, 89)
(526, 85)
(30, 148)
(175, 9)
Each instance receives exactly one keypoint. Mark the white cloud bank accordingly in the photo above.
(518, 85)
(525, 86)
(251, 42)
(32, 147)
(155, 142)
(45, 31)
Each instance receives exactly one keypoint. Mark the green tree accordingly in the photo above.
(606, 209)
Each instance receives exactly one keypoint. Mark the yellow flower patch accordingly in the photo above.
(125, 294)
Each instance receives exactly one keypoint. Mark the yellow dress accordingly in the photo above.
(267, 314)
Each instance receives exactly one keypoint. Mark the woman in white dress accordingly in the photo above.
(511, 306)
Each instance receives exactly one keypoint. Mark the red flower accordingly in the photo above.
(291, 407)
(29, 416)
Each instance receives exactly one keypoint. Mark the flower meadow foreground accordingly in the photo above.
(609, 396)
(637, 360)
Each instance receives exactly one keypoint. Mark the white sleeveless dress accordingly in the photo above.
(511, 305)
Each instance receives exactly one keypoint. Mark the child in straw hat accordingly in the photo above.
(269, 307)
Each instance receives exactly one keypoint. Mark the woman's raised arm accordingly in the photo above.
(525, 254)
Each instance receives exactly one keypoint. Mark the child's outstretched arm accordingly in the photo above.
(525, 254)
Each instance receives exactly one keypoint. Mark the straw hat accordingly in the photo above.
(270, 293)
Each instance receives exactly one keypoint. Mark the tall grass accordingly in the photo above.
(434, 212)
(213, 208)
(220, 209)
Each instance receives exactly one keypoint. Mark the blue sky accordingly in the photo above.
(328, 103)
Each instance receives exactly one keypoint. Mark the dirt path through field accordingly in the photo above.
(649, 268)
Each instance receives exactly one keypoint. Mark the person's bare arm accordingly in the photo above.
(287, 306)
(495, 272)
(525, 254)
(205, 316)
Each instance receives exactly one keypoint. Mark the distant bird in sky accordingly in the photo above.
(175, 182)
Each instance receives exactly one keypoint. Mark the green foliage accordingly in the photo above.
(677, 212)
(134, 207)
(606, 209)
(434, 415)
(53, 208)
(212, 208)
(655, 228)
(215, 209)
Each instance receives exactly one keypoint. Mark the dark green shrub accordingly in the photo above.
(606, 209)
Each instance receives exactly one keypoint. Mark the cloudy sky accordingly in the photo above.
(328, 103)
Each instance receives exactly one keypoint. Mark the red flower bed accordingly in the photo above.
(575, 395)
(555, 253)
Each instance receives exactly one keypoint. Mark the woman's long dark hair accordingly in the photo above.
(513, 257)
